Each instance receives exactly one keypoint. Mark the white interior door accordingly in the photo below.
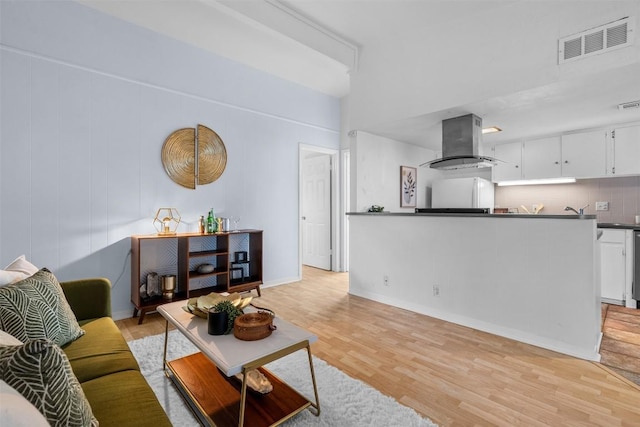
(316, 212)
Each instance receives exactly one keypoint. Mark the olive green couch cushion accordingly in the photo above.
(88, 298)
(110, 376)
(101, 351)
(124, 399)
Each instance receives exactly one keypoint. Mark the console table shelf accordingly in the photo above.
(207, 253)
(181, 254)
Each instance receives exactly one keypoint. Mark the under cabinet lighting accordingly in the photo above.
(537, 181)
(491, 129)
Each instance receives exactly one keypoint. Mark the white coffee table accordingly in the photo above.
(207, 379)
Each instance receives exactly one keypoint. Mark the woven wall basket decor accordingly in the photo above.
(178, 157)
(212, 155)
(190, 155)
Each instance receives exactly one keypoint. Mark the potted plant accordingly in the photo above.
(231, 312)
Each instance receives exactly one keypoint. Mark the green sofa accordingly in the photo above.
(105, 367)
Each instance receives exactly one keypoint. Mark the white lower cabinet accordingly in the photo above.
(615, 261)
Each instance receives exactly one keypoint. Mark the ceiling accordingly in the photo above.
(316, 43)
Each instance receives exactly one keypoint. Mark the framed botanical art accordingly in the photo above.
(408, 184)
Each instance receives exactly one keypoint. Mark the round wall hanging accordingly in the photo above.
(178, 157)
(212, 155)
(185, 164)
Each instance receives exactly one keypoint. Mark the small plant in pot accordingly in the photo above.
(231, 310)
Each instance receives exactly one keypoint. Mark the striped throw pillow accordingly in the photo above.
(40, 371)
(35, 308)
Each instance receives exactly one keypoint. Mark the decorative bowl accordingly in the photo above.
(205, 268)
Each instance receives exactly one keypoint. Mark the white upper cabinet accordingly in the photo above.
(626, 151)
(592, 154)
(542, 158)
(584, 154)
(510, 166)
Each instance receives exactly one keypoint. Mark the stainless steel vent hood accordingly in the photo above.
(461, 138)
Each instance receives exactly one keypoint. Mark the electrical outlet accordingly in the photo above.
(602, 206)
(436, 290)
(386, 280)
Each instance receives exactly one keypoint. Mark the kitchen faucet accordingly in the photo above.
(569, 208)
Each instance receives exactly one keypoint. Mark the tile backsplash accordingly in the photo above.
(623, 195)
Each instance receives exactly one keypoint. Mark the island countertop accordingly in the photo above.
(532, 278)
(620, 226)
(477, 215)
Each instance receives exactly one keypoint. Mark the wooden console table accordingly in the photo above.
(181, 254)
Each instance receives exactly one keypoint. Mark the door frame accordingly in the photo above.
(335, 203)
(345, 187)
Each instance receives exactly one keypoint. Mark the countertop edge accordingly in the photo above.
(475, 215)
(635, 227)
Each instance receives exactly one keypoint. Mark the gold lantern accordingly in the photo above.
(166, 221)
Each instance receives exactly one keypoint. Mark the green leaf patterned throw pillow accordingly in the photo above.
(40, 371)
(37, 308)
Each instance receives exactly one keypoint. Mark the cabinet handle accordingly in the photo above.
(566, 161)
(556, 163)
(517, 166)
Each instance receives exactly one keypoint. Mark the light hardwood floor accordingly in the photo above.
(454, 375)
(620, 348)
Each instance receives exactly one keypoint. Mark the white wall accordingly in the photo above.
(375, 172)
(534, 280)
(86, 104)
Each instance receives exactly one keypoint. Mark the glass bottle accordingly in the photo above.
(201, 224)
(210, 222)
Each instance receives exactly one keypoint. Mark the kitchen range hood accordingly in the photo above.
(461, 138)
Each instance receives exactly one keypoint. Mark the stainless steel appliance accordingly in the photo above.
(454, 210)
(635, 290)
(462, 145)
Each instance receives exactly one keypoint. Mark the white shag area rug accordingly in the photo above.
(344, 401)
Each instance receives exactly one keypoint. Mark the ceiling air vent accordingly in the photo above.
(604, 38)
(629, 105)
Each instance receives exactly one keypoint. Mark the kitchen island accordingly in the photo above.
(532, 278)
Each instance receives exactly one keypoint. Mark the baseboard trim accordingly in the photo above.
(279, 282)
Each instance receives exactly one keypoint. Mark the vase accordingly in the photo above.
(217, 322)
